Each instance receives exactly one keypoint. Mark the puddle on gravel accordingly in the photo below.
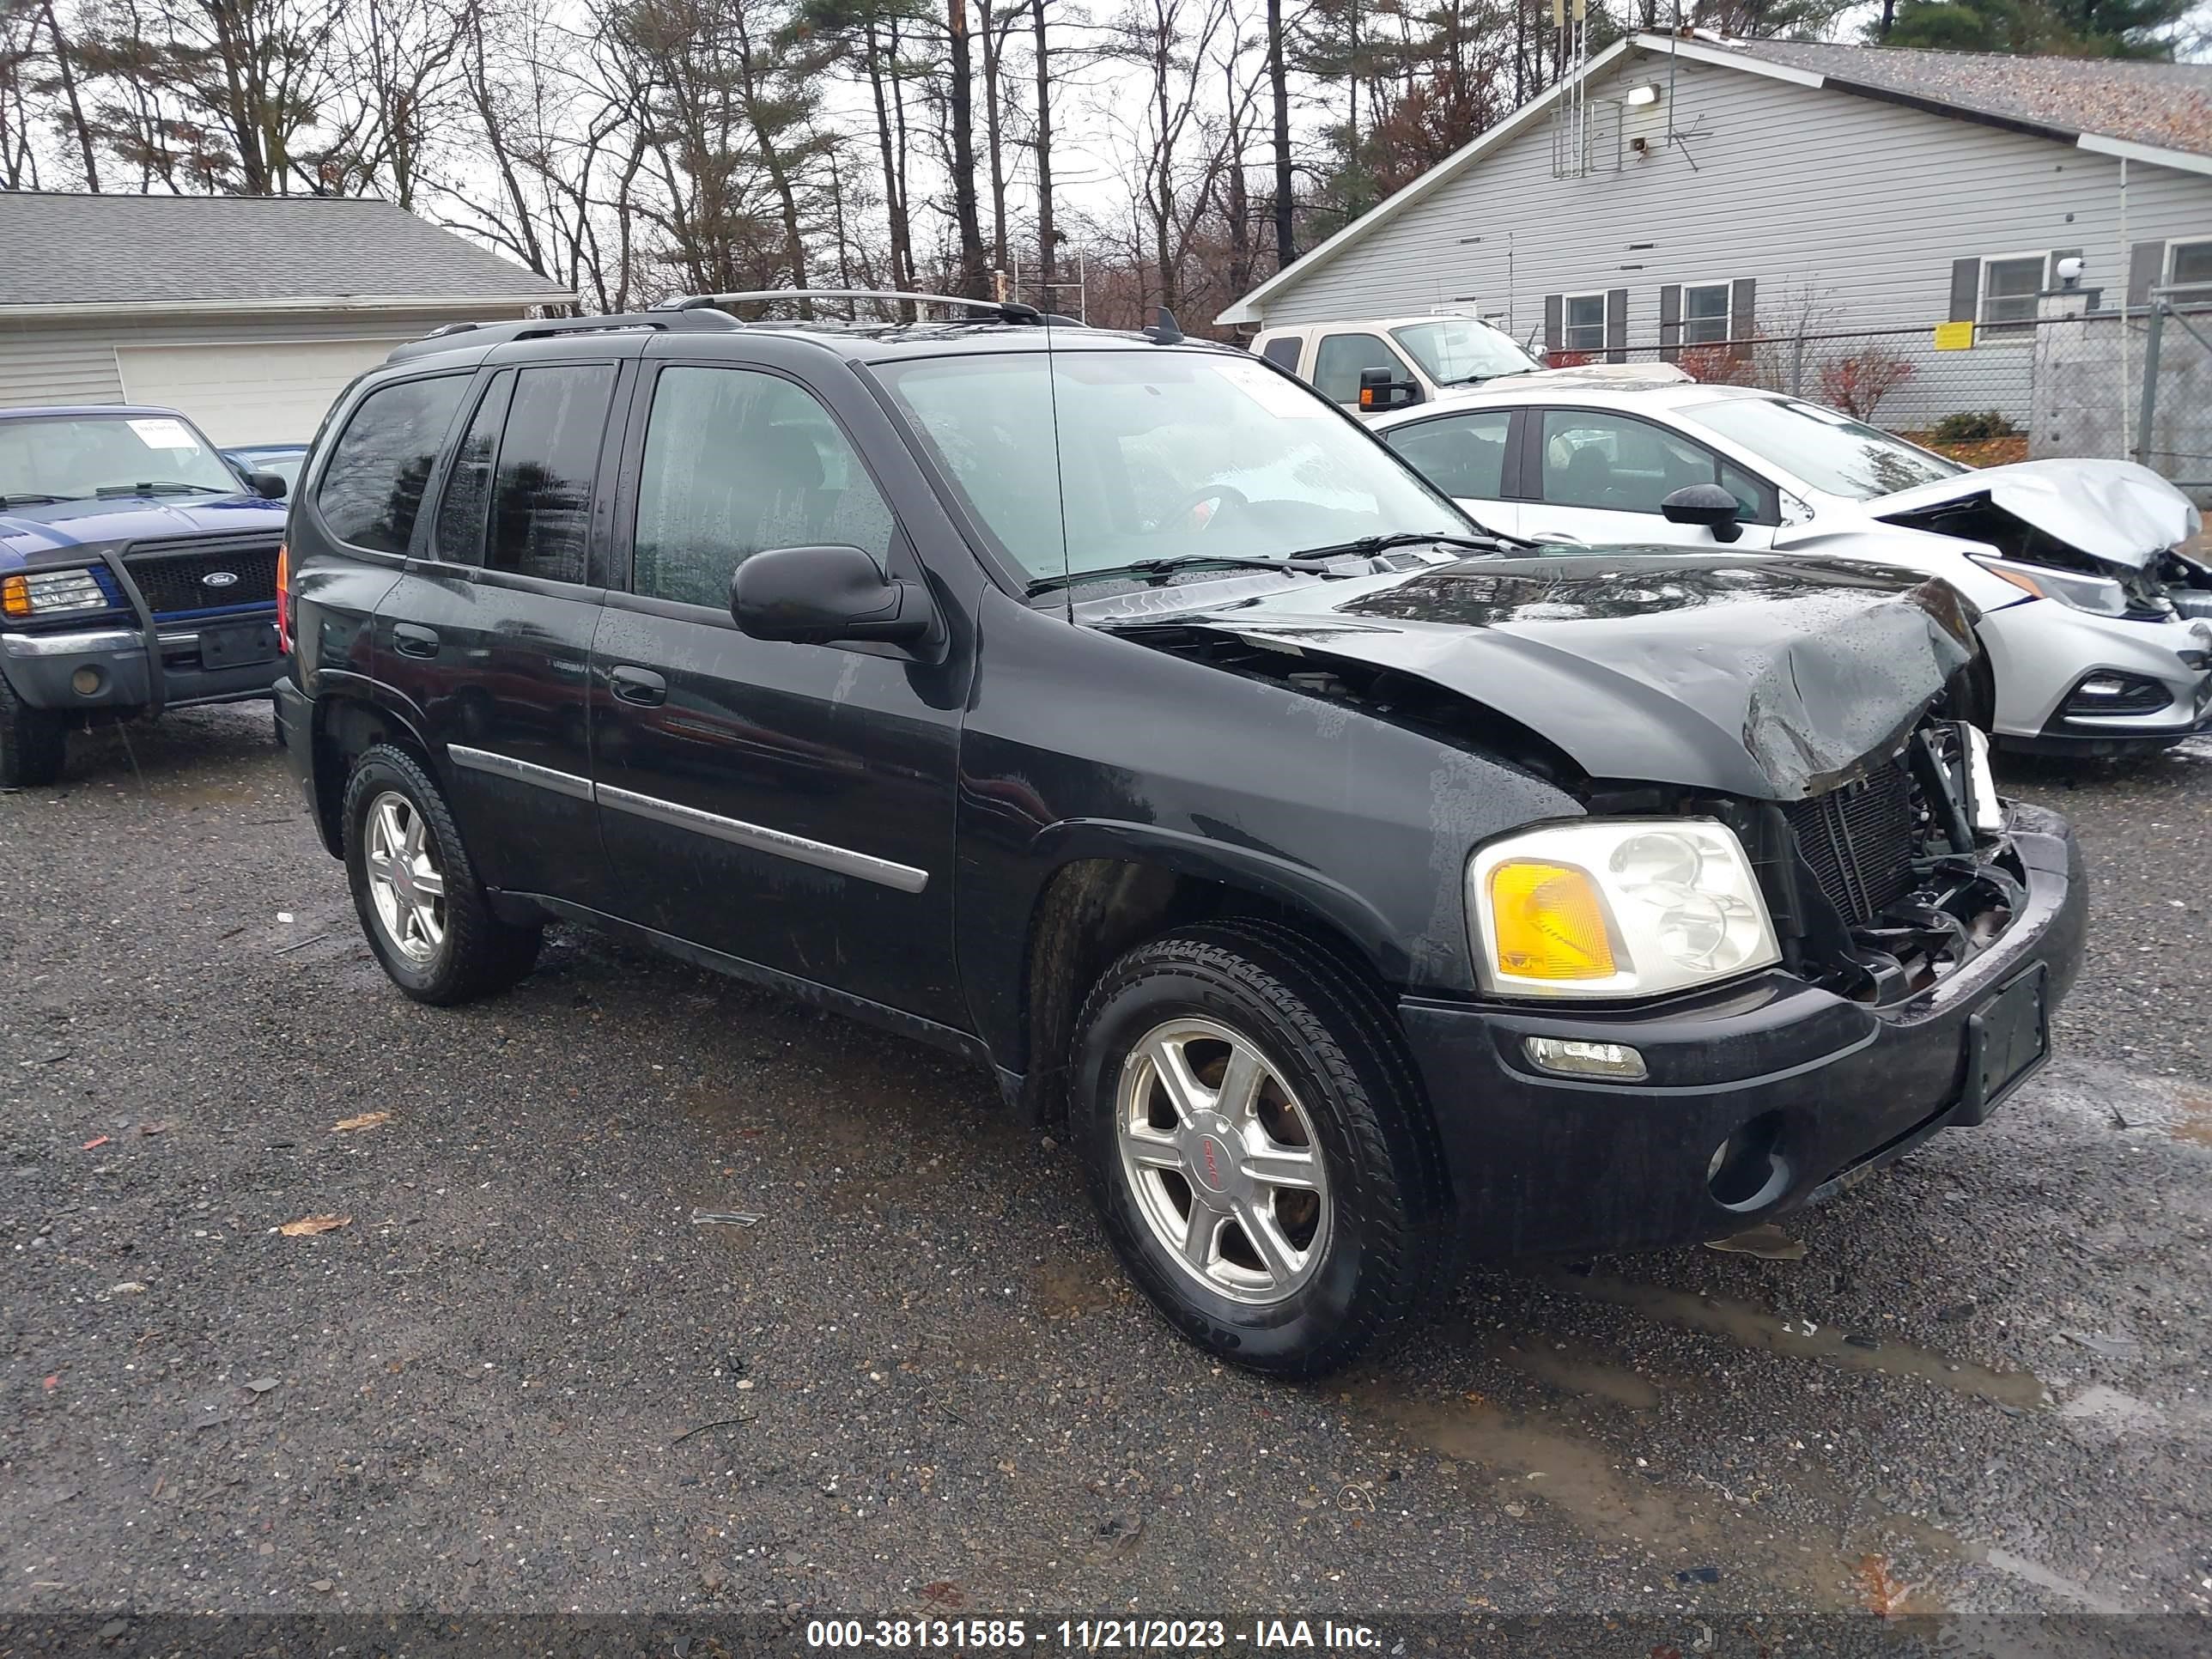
(1604, 1493)
(2193, 1121)
(2110, 1409)
(1740, 1322)
(1571, 1370)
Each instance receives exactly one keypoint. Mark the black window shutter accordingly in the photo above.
(1743, 315)
(1965, 290)
(2145, 270)
(1616, 324)
(1670, 321)
(1555, 309)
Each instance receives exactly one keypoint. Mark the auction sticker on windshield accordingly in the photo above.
(159, 433)
(1284, 398)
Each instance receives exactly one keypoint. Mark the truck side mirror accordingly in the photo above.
(1707, 504)
(1380, 390)
(825, 596)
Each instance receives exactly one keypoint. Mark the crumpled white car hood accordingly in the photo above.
(2115, 511)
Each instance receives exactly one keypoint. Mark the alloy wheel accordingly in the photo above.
(1223, 1161)
(404, 882)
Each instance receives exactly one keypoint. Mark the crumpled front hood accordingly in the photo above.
(1756, 675)
(2114, 511)
(29, 531)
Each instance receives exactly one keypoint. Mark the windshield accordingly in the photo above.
(1830, 452)
(1162, 454)
(1454, 350)
(75, 458)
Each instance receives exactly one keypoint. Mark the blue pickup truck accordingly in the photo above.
(138, 572)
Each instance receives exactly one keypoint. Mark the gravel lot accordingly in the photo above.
(521, 1379)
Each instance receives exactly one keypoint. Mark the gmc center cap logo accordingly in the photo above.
(219, 579)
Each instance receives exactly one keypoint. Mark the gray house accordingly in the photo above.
(1689, 192)
(247, 312)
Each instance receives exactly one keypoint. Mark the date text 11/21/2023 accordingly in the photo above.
(1090, 1635)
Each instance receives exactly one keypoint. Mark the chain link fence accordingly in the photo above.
(2125, 384)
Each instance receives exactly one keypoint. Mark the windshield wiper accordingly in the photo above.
(1166, 565)
(29, 498)
(1490, 541)
(160, 487)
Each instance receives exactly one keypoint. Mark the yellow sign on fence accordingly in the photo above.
(1954, 336)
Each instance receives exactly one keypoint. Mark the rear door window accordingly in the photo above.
(548, 454)
(372, 487)
(457, 537)
(1283, 351)
(1462, 455)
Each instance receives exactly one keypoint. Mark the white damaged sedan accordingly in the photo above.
(2096, 614)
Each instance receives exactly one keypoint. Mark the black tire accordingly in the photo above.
(1327, 1034)
(32, 742)
(479, 954)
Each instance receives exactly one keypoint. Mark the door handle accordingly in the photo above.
(409, 640)
(639, 685)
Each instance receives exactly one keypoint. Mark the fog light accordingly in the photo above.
(1573, 1058)
(86, 681)
(2104, 686)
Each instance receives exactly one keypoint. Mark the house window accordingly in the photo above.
(1706, 318)
(2190, 266)
(2009, 287)
(1582, 327)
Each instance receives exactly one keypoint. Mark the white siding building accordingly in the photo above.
(248, 313)
(1727, 190)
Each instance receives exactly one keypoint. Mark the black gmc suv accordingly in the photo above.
(1365, 888)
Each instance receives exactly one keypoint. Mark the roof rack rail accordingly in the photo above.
(544, 328)
(1007, 311)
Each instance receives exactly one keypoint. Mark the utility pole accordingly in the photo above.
(1279, 84)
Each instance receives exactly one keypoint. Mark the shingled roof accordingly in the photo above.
(90, 251)
(2166, 106)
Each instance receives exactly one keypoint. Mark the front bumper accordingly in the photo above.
(2041, 653)
(1545, 1165)
(113, 670)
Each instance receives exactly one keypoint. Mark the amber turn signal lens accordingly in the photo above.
(14, 596)
(1550, 922)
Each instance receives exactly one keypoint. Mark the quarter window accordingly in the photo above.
(372, 487)
(737, 462)
(1705, 319)
(1283, 351)
(541, 501)
(1622, 464)
(1582, 327)
(1462, 455)
(1341, 357)
(2010, 288)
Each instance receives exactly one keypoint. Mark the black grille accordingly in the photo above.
(177, 582)
(1858, 842)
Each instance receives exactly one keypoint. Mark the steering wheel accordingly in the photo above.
(1186, 516)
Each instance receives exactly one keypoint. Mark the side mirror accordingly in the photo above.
(827, 595)
(1707, 504)
(1379, 390)
(267, 485)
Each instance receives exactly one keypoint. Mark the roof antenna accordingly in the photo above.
(1164, 331)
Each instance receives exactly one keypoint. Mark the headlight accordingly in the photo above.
(2099, 596)
(1616, 907)
(31, 594)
